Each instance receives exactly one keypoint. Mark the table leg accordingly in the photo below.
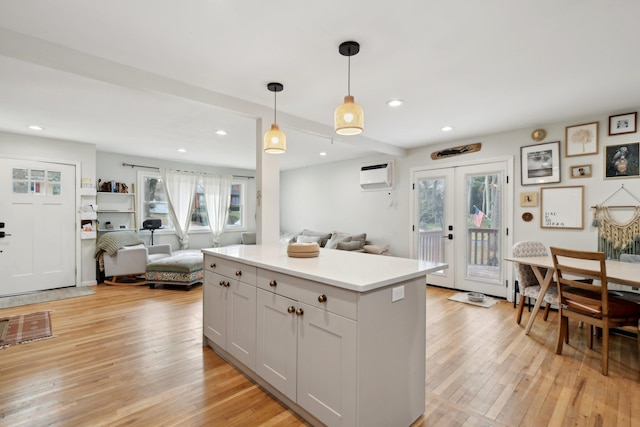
(544, 285)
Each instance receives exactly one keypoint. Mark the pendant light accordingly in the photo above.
(275, 141)
(349, 117)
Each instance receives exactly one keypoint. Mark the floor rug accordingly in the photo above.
(45, 296)
(462, 297)
(26, 328)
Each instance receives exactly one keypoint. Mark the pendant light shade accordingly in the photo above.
(349, 117)
(275, 141)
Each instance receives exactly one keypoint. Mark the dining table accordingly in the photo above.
(623, 273)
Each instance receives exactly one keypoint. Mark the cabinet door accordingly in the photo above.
(327, 366)
(214, 307)
(277, 337)
(241, 322)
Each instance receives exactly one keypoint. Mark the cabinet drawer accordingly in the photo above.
(339, 301)
(232, 269)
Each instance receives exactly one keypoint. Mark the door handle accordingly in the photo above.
(3, 234)
(448, 236)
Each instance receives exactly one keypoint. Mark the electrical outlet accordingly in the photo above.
(397, 293)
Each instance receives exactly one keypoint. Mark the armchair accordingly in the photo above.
(124, 255)
(131, 261)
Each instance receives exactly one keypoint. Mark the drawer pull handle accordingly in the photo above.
(221, 283)
(299, 312)
(273, 283)
(227, 284)
(213, 265)
(322, 298)
(238, 273)
(291, 309)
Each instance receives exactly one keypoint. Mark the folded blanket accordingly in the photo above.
(111, 242)
(377, 249)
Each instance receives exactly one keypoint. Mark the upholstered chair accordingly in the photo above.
(528, 284)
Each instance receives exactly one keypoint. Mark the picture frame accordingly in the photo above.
(623, 123)
(529, 198)
(581, 171)
(562, 207)
(622, 161)
(581, 140)
(540, 163)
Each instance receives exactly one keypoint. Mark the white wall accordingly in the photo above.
(109, 167)
(46, 149)
(329, 198)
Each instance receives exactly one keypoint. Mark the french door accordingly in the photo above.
(461, 218)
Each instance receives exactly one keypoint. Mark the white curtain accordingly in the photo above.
(181, 189)
(217, 196)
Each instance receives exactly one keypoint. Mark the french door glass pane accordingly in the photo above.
(431, 216)
(483, 194)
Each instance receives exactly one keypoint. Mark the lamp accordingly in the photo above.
(275, 141)
(349, 117)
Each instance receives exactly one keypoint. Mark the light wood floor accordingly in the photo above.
(134, 356)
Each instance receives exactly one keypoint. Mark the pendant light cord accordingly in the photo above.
(275, 106)
(349, 75)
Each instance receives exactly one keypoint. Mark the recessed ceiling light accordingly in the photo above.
(447, 128)
(395, 103)
(221, 132)
(323, 154)
(35, 127)
(181, 150)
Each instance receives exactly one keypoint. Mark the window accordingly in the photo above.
(153, 204)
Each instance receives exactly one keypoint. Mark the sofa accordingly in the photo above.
(336, 240)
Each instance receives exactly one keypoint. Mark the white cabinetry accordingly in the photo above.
(116, 211)
(304, 350)
(230, 308)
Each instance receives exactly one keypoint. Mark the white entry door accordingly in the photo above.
(37, 216)
(460, 217)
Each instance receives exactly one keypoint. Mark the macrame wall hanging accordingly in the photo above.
(616, 237)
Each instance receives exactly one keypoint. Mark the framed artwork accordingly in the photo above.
(562, 207)
(581, 140)
(623, 123)
(540, 164)
(621, 161)
(580, 171)
(529, 198)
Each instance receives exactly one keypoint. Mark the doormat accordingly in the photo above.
(26, 328)
(45, 296)
(463, 297)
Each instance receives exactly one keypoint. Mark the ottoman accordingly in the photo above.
(183, 268)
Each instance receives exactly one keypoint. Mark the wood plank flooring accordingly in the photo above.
(134, 356)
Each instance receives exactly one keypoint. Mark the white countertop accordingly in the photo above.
(355, 271)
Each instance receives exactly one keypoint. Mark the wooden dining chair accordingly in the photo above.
(589, 303)
(528, 285)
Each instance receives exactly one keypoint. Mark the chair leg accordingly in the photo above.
(562, 331)
(590, 337)
(547, 307)
(520, 308)
(639, 342)
(605, 350)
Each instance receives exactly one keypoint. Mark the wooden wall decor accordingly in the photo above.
(455, 151)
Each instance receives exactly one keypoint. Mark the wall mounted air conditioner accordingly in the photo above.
(376, 177)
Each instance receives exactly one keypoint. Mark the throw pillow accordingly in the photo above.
(308, 239)
(362, 238)
(353, 245)
(324, 237)
(337, 237)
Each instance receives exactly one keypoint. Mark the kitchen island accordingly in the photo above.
(339, 338)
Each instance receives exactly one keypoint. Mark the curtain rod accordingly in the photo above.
(157, 168)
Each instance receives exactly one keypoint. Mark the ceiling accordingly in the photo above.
(146, 77)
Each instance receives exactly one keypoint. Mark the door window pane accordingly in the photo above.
(483, 194)
(431, 216)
